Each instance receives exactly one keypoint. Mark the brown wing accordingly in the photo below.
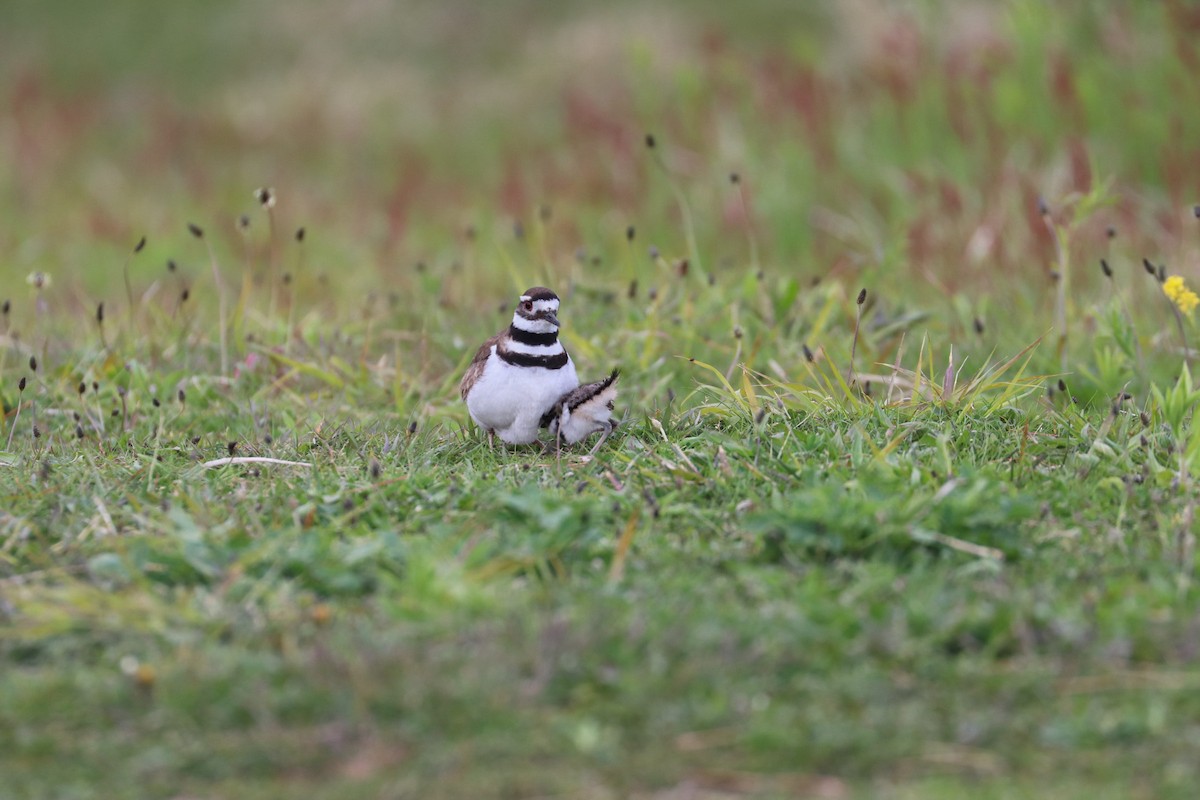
(477, 365)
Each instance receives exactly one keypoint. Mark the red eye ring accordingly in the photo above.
(527, 305)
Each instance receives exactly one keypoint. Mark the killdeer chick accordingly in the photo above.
(583, 411)
(519, 373)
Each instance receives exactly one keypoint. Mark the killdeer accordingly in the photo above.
(519, 373)
(583, 411)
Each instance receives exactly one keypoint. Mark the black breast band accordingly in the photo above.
(557, 361)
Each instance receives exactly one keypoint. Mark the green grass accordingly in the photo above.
(937, 543)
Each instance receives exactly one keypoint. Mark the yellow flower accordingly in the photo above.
(1183, 298)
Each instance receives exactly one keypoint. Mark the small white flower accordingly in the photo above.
(38, 280)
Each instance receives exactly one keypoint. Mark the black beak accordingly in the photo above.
(549, 317)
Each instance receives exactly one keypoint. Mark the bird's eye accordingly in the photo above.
(527, 305)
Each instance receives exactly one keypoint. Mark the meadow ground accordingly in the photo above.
(933, 541)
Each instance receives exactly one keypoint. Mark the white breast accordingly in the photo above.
(511, 400)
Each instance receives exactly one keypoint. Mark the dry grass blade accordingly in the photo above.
(617, 570)
(225, 462)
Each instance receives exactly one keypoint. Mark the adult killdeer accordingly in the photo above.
(519, 373)
(583, 411)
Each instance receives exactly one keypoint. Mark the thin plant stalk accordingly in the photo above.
(1159, 275)
(1061, 267)
(272, 264)
(1137, 345)
(17, 416)
(751, 234)
(221, 309)
(295, 285)
(132, 315)
(685, 211)
(1187, 351)
(862, 298)
(221, 299)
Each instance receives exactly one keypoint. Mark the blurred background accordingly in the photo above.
(900, 145)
